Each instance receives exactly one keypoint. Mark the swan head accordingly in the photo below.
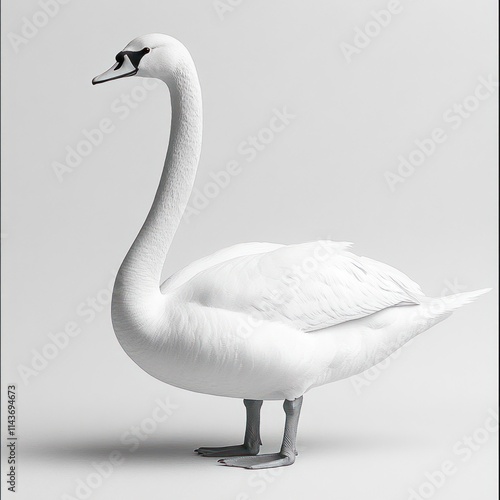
(152, 56)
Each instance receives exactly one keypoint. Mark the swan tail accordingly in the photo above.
(437, 309)
(461, 299)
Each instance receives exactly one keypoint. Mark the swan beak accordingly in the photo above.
(118, 70)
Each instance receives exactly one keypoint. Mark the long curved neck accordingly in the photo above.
(140, 274)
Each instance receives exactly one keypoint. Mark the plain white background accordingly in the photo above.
(63, 237)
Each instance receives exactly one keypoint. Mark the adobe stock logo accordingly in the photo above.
(464, 449)
(222, 7)
(250, 148)
(363, 36)
(30, 27)
(452, 119)
(92, 138)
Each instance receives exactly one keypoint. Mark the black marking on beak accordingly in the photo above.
(134, 57)
(123, 67)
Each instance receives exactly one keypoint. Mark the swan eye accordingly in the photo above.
(146, 50)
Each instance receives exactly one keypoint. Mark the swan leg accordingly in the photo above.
(251, 443)
(286, 456)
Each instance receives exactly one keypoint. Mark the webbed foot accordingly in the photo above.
(227, 451)
(265, 461)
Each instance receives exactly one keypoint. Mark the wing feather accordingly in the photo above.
(224, 255)
(309, 286)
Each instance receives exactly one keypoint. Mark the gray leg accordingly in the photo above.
(252, 442)
(288, 449)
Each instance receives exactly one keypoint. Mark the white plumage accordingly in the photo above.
(258, 320)
(254, 321)
(308, 286)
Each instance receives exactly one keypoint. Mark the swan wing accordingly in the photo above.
(308, 286)
(232, 252)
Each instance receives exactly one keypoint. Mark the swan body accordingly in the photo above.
(238, 327)
(257, 321)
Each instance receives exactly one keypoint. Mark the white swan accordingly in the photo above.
(257, 321)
